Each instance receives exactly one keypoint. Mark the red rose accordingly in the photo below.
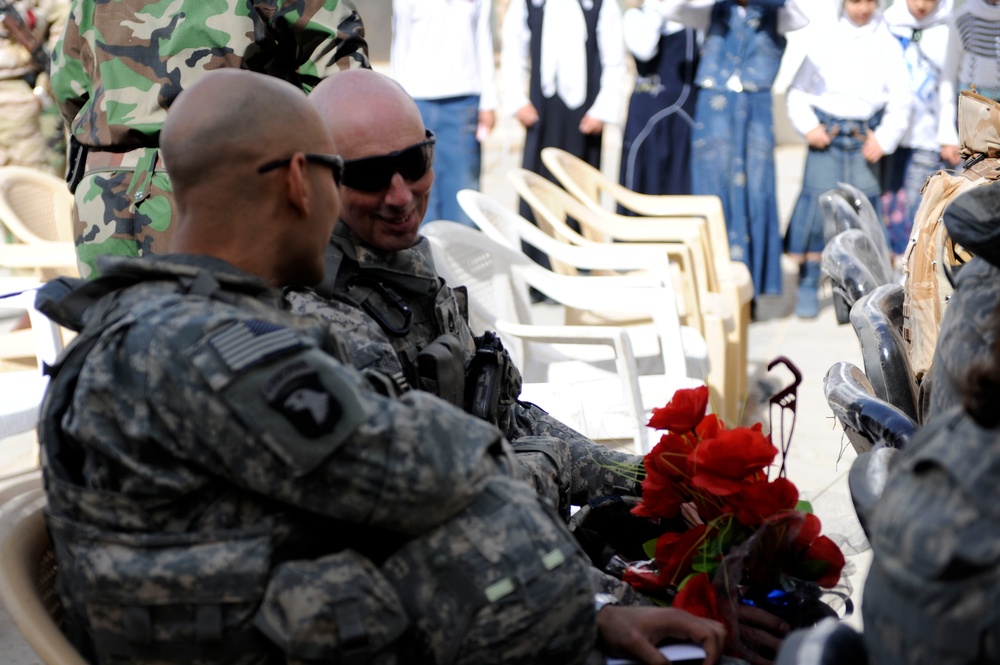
(825, 551)
(808, 533)
(670, 457)
(759, 500)
(698, 597)
(660, 497)
(722, 464)
(676, 551)
(683, 412)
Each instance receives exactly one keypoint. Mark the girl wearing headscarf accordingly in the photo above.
(850, 99)
(921, 28)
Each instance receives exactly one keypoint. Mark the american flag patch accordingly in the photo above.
(249, 342)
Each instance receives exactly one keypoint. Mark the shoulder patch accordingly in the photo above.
(249, 342)
(297, 393)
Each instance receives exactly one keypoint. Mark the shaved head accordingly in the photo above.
(217, 136)
(230, 118)
(368, 115)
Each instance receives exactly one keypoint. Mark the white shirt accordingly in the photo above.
(697, 14)
(444, 48)
(570, 73)
(642, 28)
(925, 61)
(852, 72)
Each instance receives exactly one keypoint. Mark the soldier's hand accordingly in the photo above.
(527, 114)
(636, 631)
(762, 632)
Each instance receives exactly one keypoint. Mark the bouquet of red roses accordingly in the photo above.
(749, 539)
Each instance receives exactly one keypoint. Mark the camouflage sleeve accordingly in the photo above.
(280, 417)
(70, 82)
(595, 470)
(367, 345)
(330, 35)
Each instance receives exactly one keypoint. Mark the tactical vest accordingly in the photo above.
(931, 254)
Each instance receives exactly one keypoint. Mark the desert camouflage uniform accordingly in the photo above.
(30, 133)
(121, 64)
(222, 490)
(582, 469)
(932, 595)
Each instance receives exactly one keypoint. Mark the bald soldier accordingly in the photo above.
(377, 264)
(221, 489)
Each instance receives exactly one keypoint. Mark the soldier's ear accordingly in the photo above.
(296, 184)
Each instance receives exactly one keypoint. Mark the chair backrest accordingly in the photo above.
(868, 219)
(878, 320)
(27, 577)
(668, 260)
(467, 257)
(868, 420)
(555, 208)
(35, 206)
(589, 185)
(851, 261)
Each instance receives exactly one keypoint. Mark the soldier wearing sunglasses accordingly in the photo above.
(382, 288)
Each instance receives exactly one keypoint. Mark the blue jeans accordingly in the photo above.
(457, 155)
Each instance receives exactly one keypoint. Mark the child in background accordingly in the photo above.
(973, 58)
(850, 99)
(732, 149)
(656, 151)
(921, 27)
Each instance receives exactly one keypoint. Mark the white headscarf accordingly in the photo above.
(899, 16)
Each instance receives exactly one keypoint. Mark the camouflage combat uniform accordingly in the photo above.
(222, 490)
(932, 595)
(30, 134)
(350, 297)
(121, 64)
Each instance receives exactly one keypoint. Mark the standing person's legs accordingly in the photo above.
(457, 154)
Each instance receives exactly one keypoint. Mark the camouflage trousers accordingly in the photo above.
(124, 211)
(22, 141)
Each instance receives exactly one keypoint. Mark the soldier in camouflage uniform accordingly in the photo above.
(932, 595)
(27, 125)
(222, 490)
(121, 64)
(378, 268)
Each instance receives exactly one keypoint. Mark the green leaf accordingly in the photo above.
(649, 547)
(804, 507)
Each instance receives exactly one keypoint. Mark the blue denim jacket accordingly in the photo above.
(742, 53)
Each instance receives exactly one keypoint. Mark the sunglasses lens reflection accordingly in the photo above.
(373, 174)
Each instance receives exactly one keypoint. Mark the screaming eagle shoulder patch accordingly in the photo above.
(296, 392)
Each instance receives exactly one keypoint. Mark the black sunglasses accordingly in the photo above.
(373, 174)
(334, 162)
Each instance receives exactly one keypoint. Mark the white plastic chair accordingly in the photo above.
(654, 261)
(724, 325)
(22, 390)
(601, 405)
(37, 209)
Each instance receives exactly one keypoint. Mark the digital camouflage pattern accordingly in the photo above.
(30, 135)
(206, 455)
(594, 470)
(932, 595)
(121, 64)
